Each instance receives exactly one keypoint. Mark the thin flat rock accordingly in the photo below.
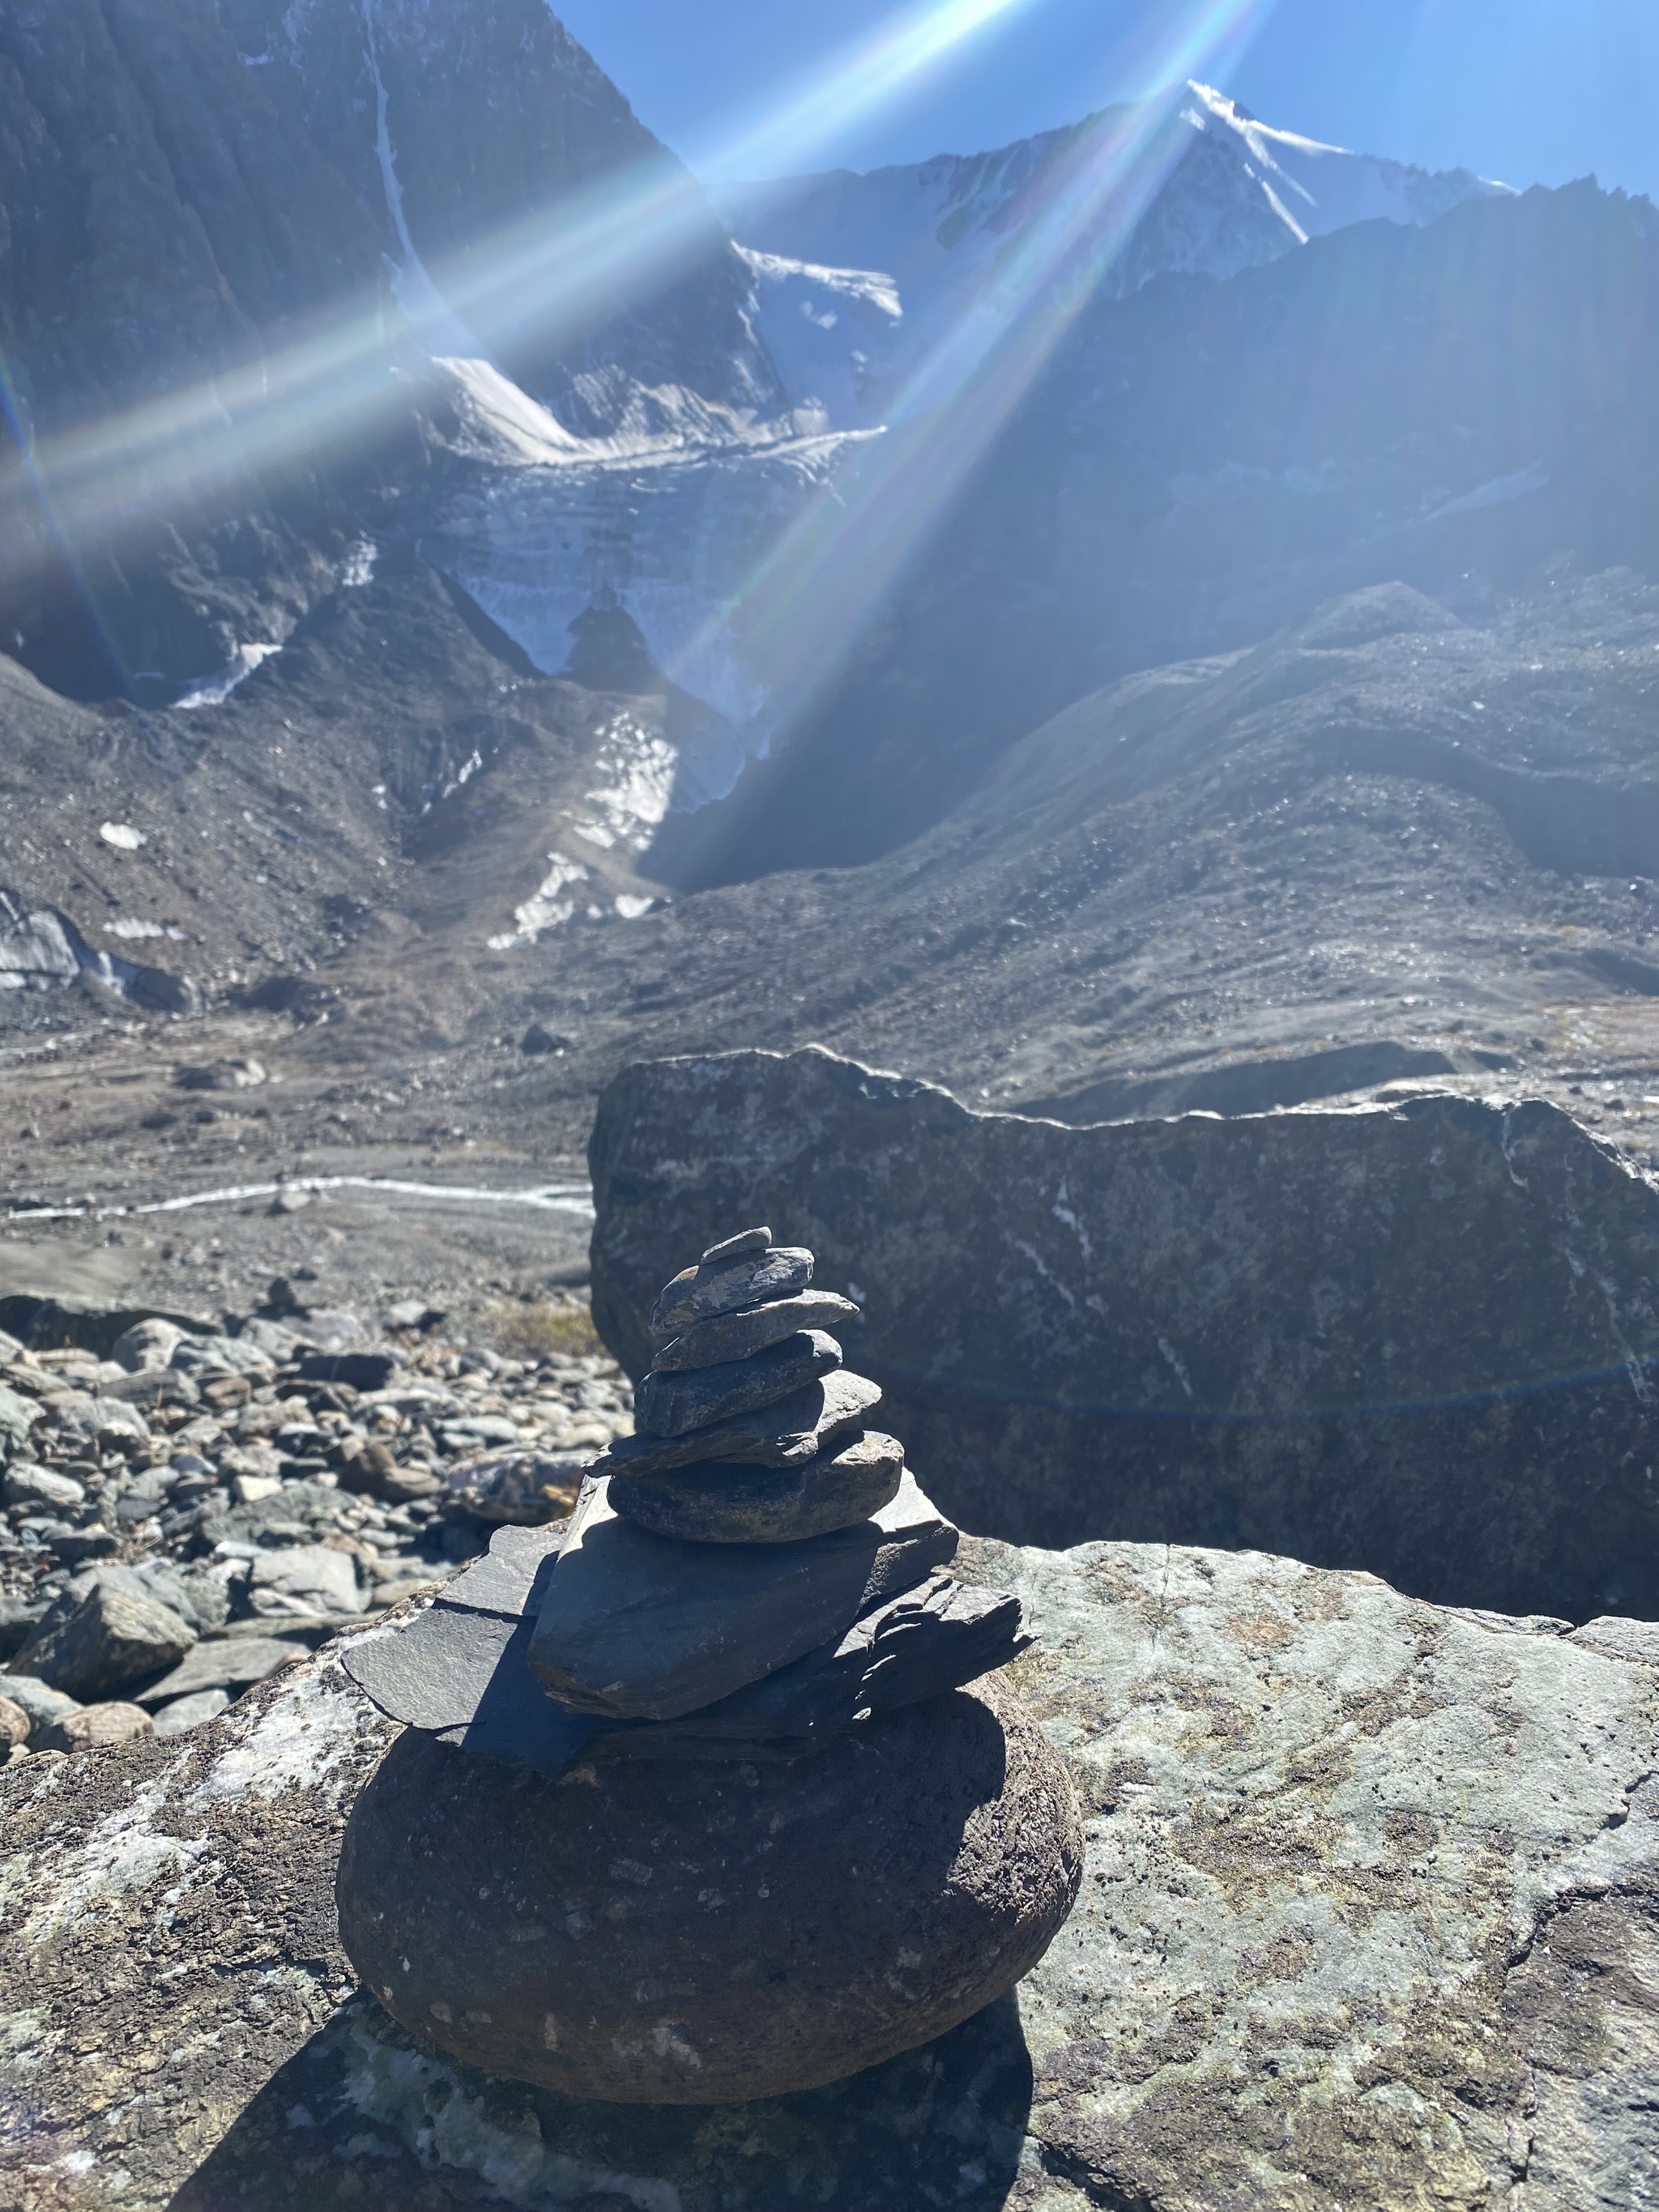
(721, 1505)
(788, 1434)
(501, 1581)
(434, 1671)
(637, 1626)
(740, 1335)
(699, 1293)
(673, 1405)
(938, 1636)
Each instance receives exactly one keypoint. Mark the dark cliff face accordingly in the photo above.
(1468, 407)
(194, 200)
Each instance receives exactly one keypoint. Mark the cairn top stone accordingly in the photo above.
(737, 1248)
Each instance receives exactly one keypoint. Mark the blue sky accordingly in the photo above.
(1532, 91)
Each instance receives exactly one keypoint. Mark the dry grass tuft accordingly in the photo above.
(544, 1330)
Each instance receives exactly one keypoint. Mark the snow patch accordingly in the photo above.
(435, 323)
(122, 835)
(547, 909)
(1498, 493)
(128, 929)
(213, 690)
(358, 566)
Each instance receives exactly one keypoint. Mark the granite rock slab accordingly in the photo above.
(1368, 1918)
(786, 1434)
(720, 1504)
(1365, 1338)
(740, 1335)
(634, 1626)
(721, 1286)
(670, 1405)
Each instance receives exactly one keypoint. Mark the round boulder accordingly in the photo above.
(705, 1932)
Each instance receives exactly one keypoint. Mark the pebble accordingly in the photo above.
(720, 1505)
(110, 1639)
(94, 1728)
(238, 1457)
(186, 1713)
(672, 1405)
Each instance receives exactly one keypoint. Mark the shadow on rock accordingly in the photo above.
(362, 2115)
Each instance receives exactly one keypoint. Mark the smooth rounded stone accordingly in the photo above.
(763, 1504)
(186, 1713)
(95, 1728)
(147, 1345)
(739, 1335)
(709, 1933)
(698, 1293)
(674, 1405)
(14, 1724)
(43, 1705)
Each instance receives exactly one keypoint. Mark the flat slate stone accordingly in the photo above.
(711, 1933)
(223, 1664)
(637, 1626)
(935, 1638)
(112, 1639)
(672, 1405)
(502, 1580)
(786, 1434)
(699, 1293)
(740, 1335)
(720, 1505)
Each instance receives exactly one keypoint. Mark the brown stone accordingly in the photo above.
(95, 1728)
(712, 1933)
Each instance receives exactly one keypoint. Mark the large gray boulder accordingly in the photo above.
(1418, 1338)
(1369, 1916)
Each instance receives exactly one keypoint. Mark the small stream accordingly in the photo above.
(575, 1197)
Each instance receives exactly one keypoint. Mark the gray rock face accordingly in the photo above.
(186, 1713)
(739, 1335)
(1367, 1918)
(17, 1417)
(672, 1405)
(1420, 1339)
(706, 1934)
(721, 1286)
(111, 1639)
(629, 1631)
(788, 1434)
(39, 1487)
(762, 1505)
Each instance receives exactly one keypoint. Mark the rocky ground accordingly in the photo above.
(186, 1517)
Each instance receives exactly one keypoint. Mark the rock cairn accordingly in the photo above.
(747, 1631)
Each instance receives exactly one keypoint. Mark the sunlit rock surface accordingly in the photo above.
(1368, 1918)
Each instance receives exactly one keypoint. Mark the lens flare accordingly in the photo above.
(548, 280)
(807, 600)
